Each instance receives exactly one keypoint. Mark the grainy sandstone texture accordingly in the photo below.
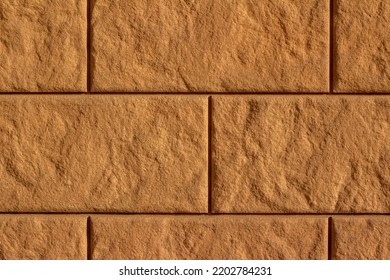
(361, 238)
(301, 154)
(208, 237)
(362, 41)
(40, 237)
(117, 153)
(43, 45)
(208, 45)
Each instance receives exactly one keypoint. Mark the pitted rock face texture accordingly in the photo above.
(208, 45)
(208, 237)
(57, 237)
(362, 41)
(301, 154)
(43, 45)
(361, 238)
(117, 153)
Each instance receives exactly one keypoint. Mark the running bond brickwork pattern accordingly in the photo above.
(195, 129)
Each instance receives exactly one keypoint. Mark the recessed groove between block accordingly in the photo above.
(209, 160)
(195, 214)
(89, 238)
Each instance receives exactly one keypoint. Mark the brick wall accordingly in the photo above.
(189, 129)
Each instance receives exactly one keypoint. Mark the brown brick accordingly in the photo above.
(117, 153)
(301, 154)
(43, 237)
(207, 45)
(43, 45)
(362, 41)
(208, 237)
(361, 238)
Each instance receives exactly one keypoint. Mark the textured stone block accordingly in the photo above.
(117, 153)
(43, 45)
(207, 45)
(54, 237)
(301, 154)
(361, 238)
(362, 42)
(208, 237)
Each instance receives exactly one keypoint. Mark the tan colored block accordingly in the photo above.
(43, 45)
(301, 154)
(361, 238)
(208, 237)
(37, 237)
(362, 46)
(118, 153)
(208, 45)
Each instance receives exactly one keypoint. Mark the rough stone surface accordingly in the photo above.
(99, 153)
(40, 237)
(207, 45)
(362, 50)
(208, 237)
(361, 238)
(301, 154)
(43, 45)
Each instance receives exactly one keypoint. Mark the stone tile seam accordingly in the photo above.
(89, 238)
(330, 237)
(89, 46)
(209, 154)
(199, 94)
(331, 46)
(278, 215)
